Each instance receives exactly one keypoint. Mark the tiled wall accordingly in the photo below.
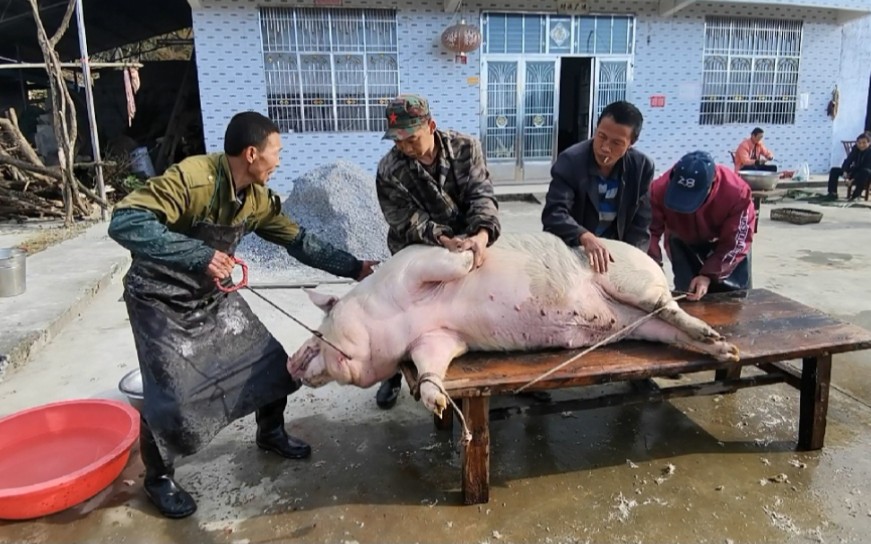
(853, 84)
(230, 66)
(668, 61)
(842, 4)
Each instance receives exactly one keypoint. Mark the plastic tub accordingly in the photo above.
(57, 455)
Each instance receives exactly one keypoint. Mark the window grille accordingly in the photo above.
(558, 34)
(329, 70)
(751, 71)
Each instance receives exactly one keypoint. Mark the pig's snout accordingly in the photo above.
(299, 361)
(294, 367)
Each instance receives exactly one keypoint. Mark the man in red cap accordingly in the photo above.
(706, 212)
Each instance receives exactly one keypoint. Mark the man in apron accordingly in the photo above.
(206, 360)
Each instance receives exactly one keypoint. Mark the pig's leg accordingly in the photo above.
(432, 353)
(646, 288)
(658, 330)
(442, 266)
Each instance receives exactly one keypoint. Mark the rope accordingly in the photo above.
(628, 328)
(431, 377)
(317, 334)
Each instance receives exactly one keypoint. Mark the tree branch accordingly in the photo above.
(64, 24)
(53, 173)
(11, 125)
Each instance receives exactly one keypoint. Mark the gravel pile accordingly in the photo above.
(338, 203)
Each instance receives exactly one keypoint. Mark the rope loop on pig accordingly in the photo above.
(436, 380)
(625, 330)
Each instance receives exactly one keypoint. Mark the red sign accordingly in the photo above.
(657, 101)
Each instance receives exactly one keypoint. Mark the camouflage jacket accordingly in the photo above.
(419, 208)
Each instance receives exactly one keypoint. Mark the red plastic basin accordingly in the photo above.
(57, 455)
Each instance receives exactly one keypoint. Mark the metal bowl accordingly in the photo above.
(131, 386)
(760, 180)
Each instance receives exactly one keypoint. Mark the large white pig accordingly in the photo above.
(427, 304)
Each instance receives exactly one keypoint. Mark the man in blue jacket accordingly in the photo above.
(599, 188)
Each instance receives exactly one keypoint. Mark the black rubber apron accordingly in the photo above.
(206, 360)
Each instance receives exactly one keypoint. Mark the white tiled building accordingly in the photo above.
(543, 72)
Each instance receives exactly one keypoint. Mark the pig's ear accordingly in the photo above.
(324, 302)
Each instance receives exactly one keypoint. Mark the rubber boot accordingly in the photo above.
(271, 435)
(388, 393)
(167, 496)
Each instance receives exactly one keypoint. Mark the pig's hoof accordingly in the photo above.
(727, 353)
(433, 399)
(709, 335)
(441, 404)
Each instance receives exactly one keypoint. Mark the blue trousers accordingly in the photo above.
(687, 261)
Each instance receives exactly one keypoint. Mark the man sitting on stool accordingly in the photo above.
(752, 153)
(706, 213)
(856, 168)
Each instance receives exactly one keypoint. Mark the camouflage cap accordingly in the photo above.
(405, 114)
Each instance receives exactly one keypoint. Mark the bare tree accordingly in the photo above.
(63, 111)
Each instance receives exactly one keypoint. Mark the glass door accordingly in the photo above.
(519, 104)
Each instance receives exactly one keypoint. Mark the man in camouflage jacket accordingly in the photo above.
(434, 188)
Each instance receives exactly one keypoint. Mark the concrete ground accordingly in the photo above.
(710, 469)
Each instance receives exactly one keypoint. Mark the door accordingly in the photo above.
(612, 77)
(575, 101)
(868, 111)
(519, 118)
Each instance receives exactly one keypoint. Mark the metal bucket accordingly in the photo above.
(13, 271)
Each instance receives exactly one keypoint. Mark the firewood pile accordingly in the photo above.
(29, 188)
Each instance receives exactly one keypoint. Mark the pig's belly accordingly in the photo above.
(525, 323)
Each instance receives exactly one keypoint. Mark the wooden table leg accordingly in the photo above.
(730, 373)
(757, 205)
(816, 374)
(476, 456)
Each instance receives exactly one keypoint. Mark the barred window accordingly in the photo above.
(751, 71)
(537, 34)
(329, 70)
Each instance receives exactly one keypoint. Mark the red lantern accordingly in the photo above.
(461, 38)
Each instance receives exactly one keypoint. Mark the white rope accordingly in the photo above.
(628, 328)
(467, 434)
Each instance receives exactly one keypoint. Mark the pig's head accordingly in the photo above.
(317, 362)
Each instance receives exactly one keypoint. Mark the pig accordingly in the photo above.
(532, 292)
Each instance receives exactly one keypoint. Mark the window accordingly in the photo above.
(751, 71)
(329, 70)
(560, 34)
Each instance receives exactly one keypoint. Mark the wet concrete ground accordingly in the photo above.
(710, 469)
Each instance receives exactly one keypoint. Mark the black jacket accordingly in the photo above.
(572, 205)
(858, 163)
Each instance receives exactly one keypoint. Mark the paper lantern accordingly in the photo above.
(461, 38)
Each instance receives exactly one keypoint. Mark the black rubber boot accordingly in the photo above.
(167, 496)
(271, 435)
(388, 393)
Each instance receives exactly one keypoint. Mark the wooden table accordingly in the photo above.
(768, 329)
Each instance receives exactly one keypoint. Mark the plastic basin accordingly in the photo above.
(57, 455)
